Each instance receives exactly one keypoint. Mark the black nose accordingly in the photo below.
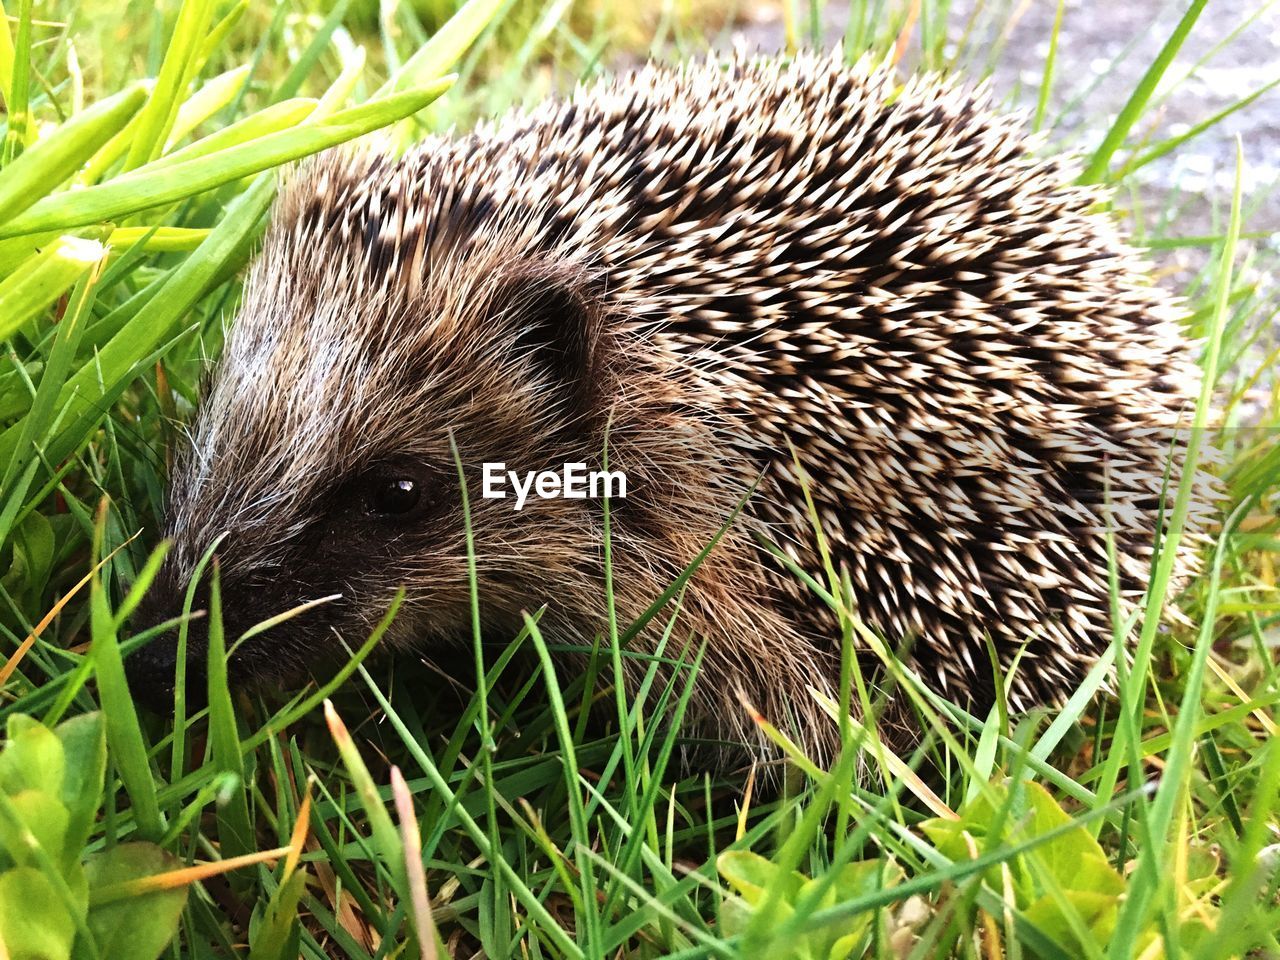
(152, 672)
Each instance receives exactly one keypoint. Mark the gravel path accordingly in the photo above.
(1104, 49)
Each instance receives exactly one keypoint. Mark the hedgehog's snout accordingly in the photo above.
(257, 661)
(152, 670)
(153, 674)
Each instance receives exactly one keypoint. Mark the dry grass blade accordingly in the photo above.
(187, 875)
(420, 901)
(10, 665)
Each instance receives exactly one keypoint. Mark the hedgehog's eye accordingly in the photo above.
(392, 495)
(396, 490)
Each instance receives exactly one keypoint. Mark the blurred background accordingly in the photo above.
(1104, 48)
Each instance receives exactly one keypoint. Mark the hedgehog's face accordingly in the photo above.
(322, 466)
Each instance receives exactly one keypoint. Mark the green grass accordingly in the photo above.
(386, 815)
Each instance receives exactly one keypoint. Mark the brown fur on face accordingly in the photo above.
(714, 267)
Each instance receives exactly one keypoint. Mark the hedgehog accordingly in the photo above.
(822, 321)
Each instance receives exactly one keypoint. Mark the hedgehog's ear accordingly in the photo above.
(556, 326)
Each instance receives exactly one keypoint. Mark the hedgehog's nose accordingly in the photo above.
(153, 676)
(152, 670)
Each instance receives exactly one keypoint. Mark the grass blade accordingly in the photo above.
(169, 184)
(42, 279)
(1096, 171)
(385, 837)
(124, 733)
(155, 323)
(1046, 76)
(589, 921)
(1149, 874)
(448, 44)
(235, 826)
(55, 159)
(177, 71)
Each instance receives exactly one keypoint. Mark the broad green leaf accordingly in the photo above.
(1097, 910)
(137, 928)
(34, 822)
(44, 166)
(84, 746)
(858, 879)
(32, 757)
(159, 187)
(852, 881)
(949, 836)
(34, 922)
(1075, 860)
(1072, 861)
(751, 875)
